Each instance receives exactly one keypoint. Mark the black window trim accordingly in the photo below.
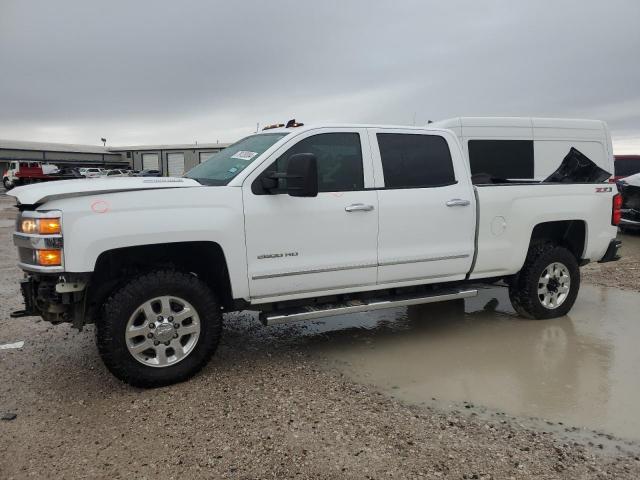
(455, 182)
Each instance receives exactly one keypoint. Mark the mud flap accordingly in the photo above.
(611, 255)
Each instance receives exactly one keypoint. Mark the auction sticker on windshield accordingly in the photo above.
(244, 155)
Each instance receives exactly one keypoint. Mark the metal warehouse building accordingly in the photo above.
(171, 160)
(60, 154)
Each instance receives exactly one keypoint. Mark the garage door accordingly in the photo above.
(204, 156)
(175, 162)
(150, 161)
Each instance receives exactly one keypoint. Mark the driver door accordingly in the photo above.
(301, 246)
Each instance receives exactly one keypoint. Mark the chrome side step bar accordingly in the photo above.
(354, 306)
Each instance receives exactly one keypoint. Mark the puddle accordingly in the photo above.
(581, 370)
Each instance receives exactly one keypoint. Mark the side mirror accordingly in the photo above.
(302, 175)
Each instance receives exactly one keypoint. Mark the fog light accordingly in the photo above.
(49, 258)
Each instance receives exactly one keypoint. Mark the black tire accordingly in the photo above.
(7, 184)
(523, 289)
(111, 327)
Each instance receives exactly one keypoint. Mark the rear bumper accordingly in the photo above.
(611, 255)
(628, 222)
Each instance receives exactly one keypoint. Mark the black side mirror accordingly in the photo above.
(302, 175)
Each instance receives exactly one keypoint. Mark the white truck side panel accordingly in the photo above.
(420, 237)
(552, 138)
(95, 224)
(509, 213)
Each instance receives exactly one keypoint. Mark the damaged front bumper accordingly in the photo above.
(55, 298)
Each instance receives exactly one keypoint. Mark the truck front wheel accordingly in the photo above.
(547, 285)
(8, 184)
(159, 328)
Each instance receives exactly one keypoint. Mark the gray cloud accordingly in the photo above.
(155, 71)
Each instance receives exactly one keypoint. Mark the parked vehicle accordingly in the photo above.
(91, 172)
(626, 165)
(629, 188)
(148, 173)
(25, 172)
(116, 172)
(528, 148)
(302, 223)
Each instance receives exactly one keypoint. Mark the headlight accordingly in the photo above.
(41, 226)
(39, 240)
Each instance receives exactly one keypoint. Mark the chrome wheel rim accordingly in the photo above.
(162, 331)
(554, 285)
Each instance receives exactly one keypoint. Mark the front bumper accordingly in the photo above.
(28, 295)
(611, 255)
(55, 298)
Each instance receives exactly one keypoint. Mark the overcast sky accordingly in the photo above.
(172, 72)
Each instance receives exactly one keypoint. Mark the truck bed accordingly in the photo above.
(503, 233)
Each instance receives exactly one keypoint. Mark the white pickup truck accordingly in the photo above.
(300, 223)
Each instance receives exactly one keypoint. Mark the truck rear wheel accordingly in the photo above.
(159, 328)
(547, 285)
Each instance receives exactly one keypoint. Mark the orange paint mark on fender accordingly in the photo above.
(100, 206)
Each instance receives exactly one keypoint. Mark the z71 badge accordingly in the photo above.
(604, 189)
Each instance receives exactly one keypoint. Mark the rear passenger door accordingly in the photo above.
(426, 207)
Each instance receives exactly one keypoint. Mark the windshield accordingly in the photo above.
(222, 167)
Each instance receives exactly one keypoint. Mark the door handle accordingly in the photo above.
(358, 207)
(458, 202)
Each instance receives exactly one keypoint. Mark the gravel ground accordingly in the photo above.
(263, 408)
(625, 273)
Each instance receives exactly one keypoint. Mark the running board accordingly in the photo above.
(354, 306)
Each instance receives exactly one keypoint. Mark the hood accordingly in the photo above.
(57, 189)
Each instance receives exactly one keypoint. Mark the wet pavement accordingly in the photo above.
(290, 401)
(581, 370)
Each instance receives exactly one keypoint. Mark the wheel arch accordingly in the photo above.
(571, 234)
(205, 259)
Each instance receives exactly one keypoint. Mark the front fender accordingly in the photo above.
(92, 225)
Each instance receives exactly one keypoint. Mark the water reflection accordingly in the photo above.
(576, 369)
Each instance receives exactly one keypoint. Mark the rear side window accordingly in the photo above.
(502, 158)
(339, 158)
(415, 161)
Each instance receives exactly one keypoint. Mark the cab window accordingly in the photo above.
(415, 161)
(339, 157)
